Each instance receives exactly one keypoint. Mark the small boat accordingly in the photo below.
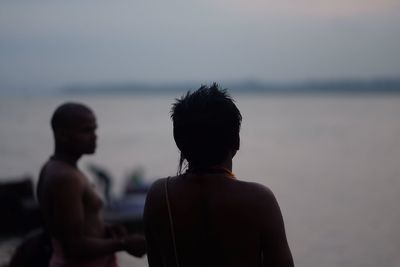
(18, 207)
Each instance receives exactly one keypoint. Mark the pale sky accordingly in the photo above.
(49, 44)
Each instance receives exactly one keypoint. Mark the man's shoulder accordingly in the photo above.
(57, 172)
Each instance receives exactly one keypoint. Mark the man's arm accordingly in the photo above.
(275, 248)
(68, 222)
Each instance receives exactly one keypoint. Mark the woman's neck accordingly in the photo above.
(223, 167)
(227, 164)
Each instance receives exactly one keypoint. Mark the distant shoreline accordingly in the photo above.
(375, 86)
(378, 86)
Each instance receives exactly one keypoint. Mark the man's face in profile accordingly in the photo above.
(82, 135)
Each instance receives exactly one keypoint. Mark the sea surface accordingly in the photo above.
(333, 162)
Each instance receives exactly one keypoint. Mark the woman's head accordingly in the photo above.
(206, 126)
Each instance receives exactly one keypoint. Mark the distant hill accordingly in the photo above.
(373, 86)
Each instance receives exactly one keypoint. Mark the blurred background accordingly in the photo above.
(317, 82)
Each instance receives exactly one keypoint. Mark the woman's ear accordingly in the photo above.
(236, 146)
(237, 142)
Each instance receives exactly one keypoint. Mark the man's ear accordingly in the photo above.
(61, 136)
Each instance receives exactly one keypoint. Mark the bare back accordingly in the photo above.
(218, 221)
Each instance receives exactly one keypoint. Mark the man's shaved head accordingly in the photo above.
(66, 115)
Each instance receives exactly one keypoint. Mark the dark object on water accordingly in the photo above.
(135, 183)
(127, 209)
(104, 179)
(35, 250)
(18, 208)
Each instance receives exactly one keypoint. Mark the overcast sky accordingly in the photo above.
(48, 44)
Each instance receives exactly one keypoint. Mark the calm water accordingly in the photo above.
(333, 162)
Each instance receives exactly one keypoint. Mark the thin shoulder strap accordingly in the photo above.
(171, 222)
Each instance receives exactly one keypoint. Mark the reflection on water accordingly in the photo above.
(333, 162)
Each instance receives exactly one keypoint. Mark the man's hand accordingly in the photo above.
(115, 231)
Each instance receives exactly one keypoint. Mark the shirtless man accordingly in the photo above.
(206, 216)
(71, 208)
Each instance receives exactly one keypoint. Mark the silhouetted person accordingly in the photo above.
(70, 206)
(206, 216)
(34, 251)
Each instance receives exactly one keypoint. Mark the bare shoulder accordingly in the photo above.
(256, 195)
(155, 201)
(58, 176)
(60, 170)
(158, 184)
(156, 191)
(255, 189)
(156, 196)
